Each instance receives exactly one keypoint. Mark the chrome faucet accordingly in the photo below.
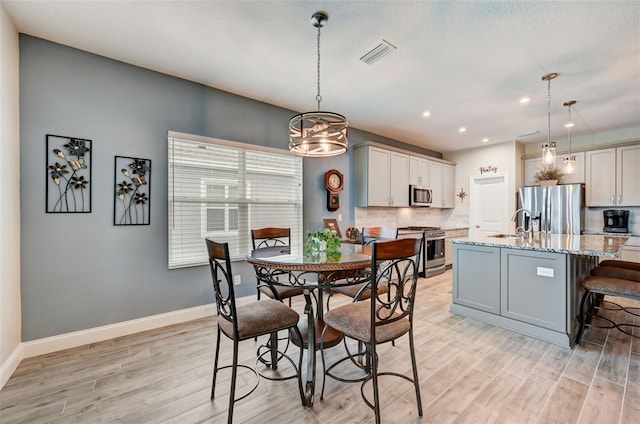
(523, 229)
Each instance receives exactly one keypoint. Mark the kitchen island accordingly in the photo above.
(527, 285)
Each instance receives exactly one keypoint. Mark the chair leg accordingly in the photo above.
(416, 382)
(232, 390)
(215, 365)
(274, 351)
(374, 376)
(583, 318)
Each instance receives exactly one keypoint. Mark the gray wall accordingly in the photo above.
(78, 270)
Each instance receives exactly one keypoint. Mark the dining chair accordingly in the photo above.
(362, 291)
(238, 323)
(268, 237)
(382, 318)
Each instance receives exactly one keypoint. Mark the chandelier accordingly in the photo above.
(318, 134)
(549, 148)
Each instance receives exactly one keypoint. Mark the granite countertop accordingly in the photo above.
(590, 245)
(602, 233)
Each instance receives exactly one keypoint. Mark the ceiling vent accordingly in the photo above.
(378, 52)
(528, 133)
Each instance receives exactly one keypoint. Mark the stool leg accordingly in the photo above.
(583, 318)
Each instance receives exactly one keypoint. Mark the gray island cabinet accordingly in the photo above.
(529, 286)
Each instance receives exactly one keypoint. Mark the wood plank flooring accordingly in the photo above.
(469, 372)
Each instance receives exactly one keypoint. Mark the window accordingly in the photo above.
(221, 190)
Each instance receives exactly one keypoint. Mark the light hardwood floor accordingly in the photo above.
(469, 373)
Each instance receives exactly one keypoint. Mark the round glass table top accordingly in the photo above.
(348, 256)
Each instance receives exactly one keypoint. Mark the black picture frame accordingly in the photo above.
(132, 191)
(68, 174)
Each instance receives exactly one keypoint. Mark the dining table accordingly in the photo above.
(316, 273)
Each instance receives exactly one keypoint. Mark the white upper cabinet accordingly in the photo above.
(612, 176)
(628, 175)
(435, 178)
(382, 177)
(448, 189)
(399, 179)
(531, 166)
(418, 171)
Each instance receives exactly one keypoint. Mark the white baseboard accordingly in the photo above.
(106, 332)
(10, 365)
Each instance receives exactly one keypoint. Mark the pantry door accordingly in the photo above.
(489, 204)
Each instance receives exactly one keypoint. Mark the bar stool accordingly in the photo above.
(609, 280)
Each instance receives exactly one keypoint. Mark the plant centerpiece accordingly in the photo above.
(549, 175)
(322, 244)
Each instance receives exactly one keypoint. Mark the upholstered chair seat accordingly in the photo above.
(635, 266)
(260, 317)
(616, 272)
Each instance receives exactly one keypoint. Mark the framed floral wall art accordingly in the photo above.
(68, 188)
(131, 205)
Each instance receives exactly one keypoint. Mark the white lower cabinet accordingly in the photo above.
(448, 247)
(631, 250)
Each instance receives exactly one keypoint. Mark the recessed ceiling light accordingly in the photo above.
(427, 114)
(484, 140)
(462, 129)
(525, 99)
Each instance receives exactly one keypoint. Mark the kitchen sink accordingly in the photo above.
(509, 236)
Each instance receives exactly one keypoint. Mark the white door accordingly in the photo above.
(489, 206)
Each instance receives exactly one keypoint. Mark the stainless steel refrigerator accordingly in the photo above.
(555, 209)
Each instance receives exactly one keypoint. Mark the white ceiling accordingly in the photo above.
(467, 62)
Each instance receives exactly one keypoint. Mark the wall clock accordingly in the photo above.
(334, 183)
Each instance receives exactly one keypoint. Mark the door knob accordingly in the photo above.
(477, 226)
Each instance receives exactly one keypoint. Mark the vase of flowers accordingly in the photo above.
(549, 175)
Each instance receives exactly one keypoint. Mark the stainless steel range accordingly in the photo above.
(433, 260)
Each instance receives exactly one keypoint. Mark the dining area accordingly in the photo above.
(381, 273)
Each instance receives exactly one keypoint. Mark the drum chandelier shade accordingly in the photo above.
(549, 148)
(318, 134)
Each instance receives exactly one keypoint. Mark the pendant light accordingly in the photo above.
(318, 134)
(569, 160)
(549, 148)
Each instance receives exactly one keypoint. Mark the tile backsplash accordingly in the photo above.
(594, 220)
(459, 217)
(404, 217)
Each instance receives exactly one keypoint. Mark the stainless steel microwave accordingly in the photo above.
(419, 196)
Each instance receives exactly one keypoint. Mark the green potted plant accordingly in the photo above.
(549, 175)
(322, 243)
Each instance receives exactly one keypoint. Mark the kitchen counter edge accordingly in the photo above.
(587, 244)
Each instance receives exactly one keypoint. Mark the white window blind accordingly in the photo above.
(221, 190)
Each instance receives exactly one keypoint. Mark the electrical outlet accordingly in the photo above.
(237, 279)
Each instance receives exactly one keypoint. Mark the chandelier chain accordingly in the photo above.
(318, 96)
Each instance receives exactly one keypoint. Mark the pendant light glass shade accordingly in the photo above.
(569, 160)
(549, 154)
(318, 134)
(549, 148)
